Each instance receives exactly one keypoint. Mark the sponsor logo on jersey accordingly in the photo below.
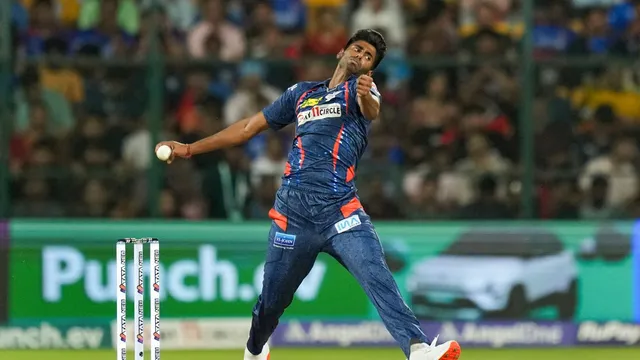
(320, 112)
(332, 95)
(310, 102)
(285, 241)
(348, 223)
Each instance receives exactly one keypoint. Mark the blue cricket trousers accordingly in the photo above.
(305, 224)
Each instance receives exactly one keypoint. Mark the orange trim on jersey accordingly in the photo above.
(336, 147)
(351, 173)
(350, 207)
(279, 219)
(302, 98)
(301, 152)
(346, 97)
(287, 169)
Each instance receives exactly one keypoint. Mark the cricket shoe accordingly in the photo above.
(447, 351)
(264, 355)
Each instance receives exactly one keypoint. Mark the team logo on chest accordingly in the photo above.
(310, 102)
(320, 112)
(313, 101)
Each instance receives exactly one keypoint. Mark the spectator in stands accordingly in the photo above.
(425, 204)
(40, 181)
(492, 15)
(273, 162)
(261, 18)
(290, 15)
(67, 11)
(265, 39)
(181, 13)
(429, 150)
(325, 35)
(552, 34)
(95, 202)
(120, 14)
(136, 148)
(195, 92)
(564, 200)
(169, 205)
(43, 25)
(56, 76)
(486, 43)
(596, 135)
(377, 201)
(227, 186)
(263, 196)
(23, 142)
(170, 39)
(595, 204)
(439, 36)
(213, 22)
(487, 205)
(619, 167)
(32, 93)
(37, 201)
(432, 119)
(252, 95)
(481, 159)
(19, 16)
(597, 37)
(106, 29)
(623, 16)
(93, 151)
(610, 90)
(384, 15)
(431, 111)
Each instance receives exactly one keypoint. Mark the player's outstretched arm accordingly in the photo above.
(236, 134)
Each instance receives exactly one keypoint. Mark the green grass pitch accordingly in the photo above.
(617, 353)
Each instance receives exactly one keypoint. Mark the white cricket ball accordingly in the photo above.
(164, 152)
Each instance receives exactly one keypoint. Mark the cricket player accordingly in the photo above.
(317, 208)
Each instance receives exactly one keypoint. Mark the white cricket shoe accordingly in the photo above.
(447, 351)
(264, 355)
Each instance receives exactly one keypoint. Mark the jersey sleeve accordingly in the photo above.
(281, 112)
(353, 93)
(374, 91)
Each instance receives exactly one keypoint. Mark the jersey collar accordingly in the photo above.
(326, 82)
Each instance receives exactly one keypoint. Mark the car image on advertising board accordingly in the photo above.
(495, 275)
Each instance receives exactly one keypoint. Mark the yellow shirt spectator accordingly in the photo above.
(330, 3)
(624, 103)
(64, 81)
(67, 10)
(514, 31)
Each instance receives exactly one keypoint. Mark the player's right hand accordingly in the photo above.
(177, 149)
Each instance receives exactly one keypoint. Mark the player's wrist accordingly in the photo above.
(367, 96)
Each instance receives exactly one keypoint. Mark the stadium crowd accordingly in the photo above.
(446, 145)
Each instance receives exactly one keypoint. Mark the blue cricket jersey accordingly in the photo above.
(330, 138)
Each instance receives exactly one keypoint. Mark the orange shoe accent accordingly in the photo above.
(280, 219)
(350, 207)
(453, 353)
(268, 356)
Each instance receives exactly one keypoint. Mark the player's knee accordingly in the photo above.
(272, 306)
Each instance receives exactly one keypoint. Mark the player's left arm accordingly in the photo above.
(368, 97)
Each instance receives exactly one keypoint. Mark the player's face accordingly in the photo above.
(359, 57)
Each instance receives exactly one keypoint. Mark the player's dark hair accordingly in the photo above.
(374, 38)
